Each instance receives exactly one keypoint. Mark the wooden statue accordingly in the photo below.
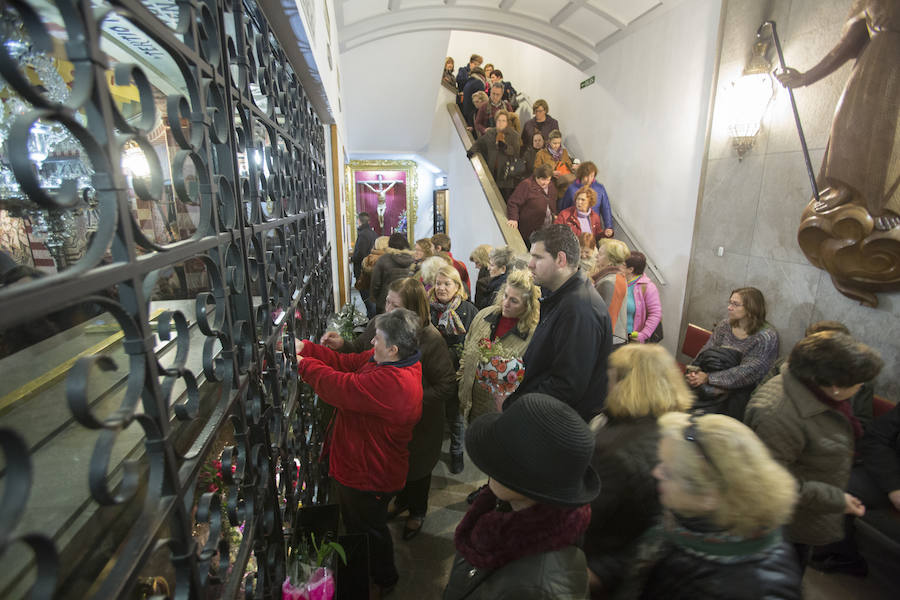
(852, 230)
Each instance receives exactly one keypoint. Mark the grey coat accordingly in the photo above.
(815, 443)
(557, 575)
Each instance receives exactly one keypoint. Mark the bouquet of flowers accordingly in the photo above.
(499, 370)
(348, 321)
(308, 580)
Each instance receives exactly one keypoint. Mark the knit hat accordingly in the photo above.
(539, 447)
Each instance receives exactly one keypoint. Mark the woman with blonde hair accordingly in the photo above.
(724, 502)
(645, 382)
(612, 286)
(452, 314)
(490, 373)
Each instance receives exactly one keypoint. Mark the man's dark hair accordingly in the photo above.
(476, 58)
(543, 171)
(442, 240)
(559, 238)
(637, 261)
(400, 328)
(498, 73)
(833, 358)
(363, 216)
(398, 241)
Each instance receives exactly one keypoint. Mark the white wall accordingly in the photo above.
(643, 123)
(390, 87)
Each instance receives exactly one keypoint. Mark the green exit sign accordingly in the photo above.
(587, 82)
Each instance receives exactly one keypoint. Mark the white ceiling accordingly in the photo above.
(574, 30)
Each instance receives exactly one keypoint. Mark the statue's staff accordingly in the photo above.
(809, 168)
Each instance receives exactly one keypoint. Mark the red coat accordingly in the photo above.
(377, 407)
(463, 273)
(568, 217)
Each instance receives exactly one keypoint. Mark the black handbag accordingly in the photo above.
(514, 168)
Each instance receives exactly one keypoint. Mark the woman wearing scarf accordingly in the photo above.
(518, 538)
(724, 501)
(559, 160)
(805, 417)
(612, 285)
(580, 218)
(452, 314)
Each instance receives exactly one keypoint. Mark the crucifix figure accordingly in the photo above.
(383, 186)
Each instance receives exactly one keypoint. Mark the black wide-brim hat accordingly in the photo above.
(539, 447)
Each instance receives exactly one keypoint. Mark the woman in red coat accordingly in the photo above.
(528, 208)
(580, 218)
(378, 397)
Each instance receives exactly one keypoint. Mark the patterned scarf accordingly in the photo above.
(557, 155)
(489, 538)
(449, 321)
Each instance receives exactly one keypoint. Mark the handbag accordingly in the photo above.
(513, 168)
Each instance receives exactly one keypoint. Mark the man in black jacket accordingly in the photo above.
(365, 240)
(567, 355)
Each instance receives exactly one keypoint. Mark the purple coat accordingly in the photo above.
(647, 308)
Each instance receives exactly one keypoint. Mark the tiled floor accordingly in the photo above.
(424, 562)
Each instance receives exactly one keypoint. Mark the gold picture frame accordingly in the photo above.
(381, 182)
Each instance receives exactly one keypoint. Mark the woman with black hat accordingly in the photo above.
(518, 538)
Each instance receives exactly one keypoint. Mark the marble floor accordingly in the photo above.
(424, 562)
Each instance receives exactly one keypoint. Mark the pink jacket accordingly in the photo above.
(647, 308)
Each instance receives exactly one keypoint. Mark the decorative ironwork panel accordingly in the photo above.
(162, 222)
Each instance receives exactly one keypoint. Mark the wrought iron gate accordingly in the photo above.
(168, 173)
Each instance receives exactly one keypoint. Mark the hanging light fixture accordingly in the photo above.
(747, 98)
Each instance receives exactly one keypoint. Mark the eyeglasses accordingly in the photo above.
(692, 434)
(734, 304)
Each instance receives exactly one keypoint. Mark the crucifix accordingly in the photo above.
(383, 186)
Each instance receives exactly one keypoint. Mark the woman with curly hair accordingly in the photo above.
(487, 378)
(724, 501)
(645, 382)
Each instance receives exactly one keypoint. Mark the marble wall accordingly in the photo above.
(751, 208)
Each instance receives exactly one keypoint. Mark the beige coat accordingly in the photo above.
(474, 400)
(815, 443)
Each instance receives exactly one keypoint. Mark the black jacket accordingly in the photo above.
(490, 293)
(624, 456)
(880, 449)
(389, 267)
(365, 240)
(567, 355)
(481, 285)
(681, 575)
(474, 84)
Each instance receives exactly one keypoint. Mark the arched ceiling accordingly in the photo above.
(574, 30)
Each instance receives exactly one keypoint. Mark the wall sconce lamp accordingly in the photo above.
(747, 99)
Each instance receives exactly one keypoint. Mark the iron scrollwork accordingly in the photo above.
(225, 220)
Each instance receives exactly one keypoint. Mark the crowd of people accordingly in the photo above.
(612, 471)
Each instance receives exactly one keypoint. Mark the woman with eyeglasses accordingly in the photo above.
(541, 122)
(736, 357)
(644, 383)
(724, 501)
(805, 417)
